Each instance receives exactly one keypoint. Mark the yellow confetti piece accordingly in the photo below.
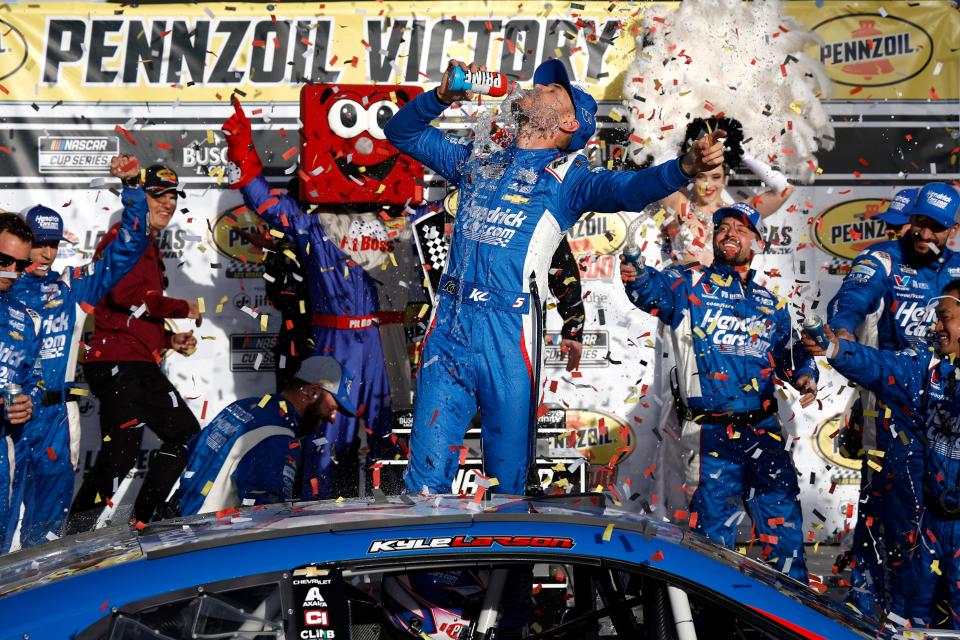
(79, 392)
(559, 467)
(381, 188)
(276, 234)
(340, 500)
(283, 406)
(264, 400)
(870, 413)
(303, 306)
(608, 532)
(775, 436)
(876, 453)
(210, 137)
(598, 489)
(290, 254)
(263, 322)
(795, 106)
(206, 488)
(423, 310)
(935, 567)
(220, 304)
(201, 305)
(699, 332)
(873, 465)
(756, 387)
(97, 499)
(107, 438)
(494, 482)
(562, 483)
(719, 280)
(393, 259)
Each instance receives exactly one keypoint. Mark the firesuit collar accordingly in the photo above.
(584, 106)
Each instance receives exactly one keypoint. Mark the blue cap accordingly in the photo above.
(743, 212)
(938, 201)
(332, 376)
(898, 213)
(46, 224)
(584, 106)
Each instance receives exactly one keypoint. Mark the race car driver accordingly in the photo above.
(884, 301)
(48, 450)
(918, 389)
(730, 336)
(483, 347)
(19, 349)
(249, 452)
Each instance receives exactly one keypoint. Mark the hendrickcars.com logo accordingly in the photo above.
(848, 228)
(470, 542)
(873, 50)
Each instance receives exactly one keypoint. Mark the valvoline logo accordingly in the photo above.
(873, 50)
(902, 281)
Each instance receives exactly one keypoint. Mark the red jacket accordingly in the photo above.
(119, 336)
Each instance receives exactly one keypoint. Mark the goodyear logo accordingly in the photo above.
(597, 436)
(846, 229)
(826, 443)
(229, 231)
(13, 50)
(598, 234)
(871, 50)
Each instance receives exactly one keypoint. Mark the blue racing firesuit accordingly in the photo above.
(484, 343)
(48, 450)
(346, 315)
(247, 455)
(920, 388)
(884, 301)
(730, 338)
(19, 350)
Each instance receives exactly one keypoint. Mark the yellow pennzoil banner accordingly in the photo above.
(200, 53)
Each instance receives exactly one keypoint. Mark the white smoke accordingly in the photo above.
(729, 53)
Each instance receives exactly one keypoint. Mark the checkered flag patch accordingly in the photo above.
(432, 246)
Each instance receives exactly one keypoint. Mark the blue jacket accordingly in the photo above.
(19, 350)
(730, 337)
(515, 204)
(247, 455)
(63, 301)
(889, 297)
(919, 388)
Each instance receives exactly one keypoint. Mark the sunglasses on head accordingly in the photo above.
(19, 265)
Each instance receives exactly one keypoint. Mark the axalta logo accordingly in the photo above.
(602, 438)
(598, 234)
(470, 542)
(848, 228)
(232, 231)
(871, 50)
(314, 598)
(13, 50)
(828, 442)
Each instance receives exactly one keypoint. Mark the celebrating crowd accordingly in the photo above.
(893, 329)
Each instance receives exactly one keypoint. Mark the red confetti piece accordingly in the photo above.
(129, 423)
(51, 453)
(203, 411)
(933, 93)
(289, 153)
(657, 557)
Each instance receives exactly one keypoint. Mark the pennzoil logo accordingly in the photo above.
(470, 542)
(230, 235)
(827, 442)
(848, 228)
(599, 437)
(871, 50)
(13, 50)
(597, 234)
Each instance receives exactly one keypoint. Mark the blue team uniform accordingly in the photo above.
(730, 337)
(48, 449)
(19, 350)
(343, 298)
(484, 343)
(247, 455)
(884, 301)
(920, 388)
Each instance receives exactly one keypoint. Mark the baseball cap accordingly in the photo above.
(897, 213)
(159, 180)
(740, 210)
(938, 201)
(46, 224)
(584, 106)
(330, 375)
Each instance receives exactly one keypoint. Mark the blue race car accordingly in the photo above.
(409, 567)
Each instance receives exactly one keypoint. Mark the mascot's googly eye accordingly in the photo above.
(347, 118)
(378, 114)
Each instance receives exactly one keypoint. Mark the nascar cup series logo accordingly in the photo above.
(848, 228)
(873, 50)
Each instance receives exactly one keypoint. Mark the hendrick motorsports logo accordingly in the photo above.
(470, 542)
(75, 154)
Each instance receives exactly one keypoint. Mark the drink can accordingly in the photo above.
(488, 83)
(813, 326)
(631, 253)
(10, 391)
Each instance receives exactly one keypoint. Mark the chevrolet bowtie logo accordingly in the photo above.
(310, 572)
(516, 199)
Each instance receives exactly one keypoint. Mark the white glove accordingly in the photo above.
(767, 174)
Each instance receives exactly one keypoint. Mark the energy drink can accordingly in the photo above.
(10, 391)
(813, 326)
